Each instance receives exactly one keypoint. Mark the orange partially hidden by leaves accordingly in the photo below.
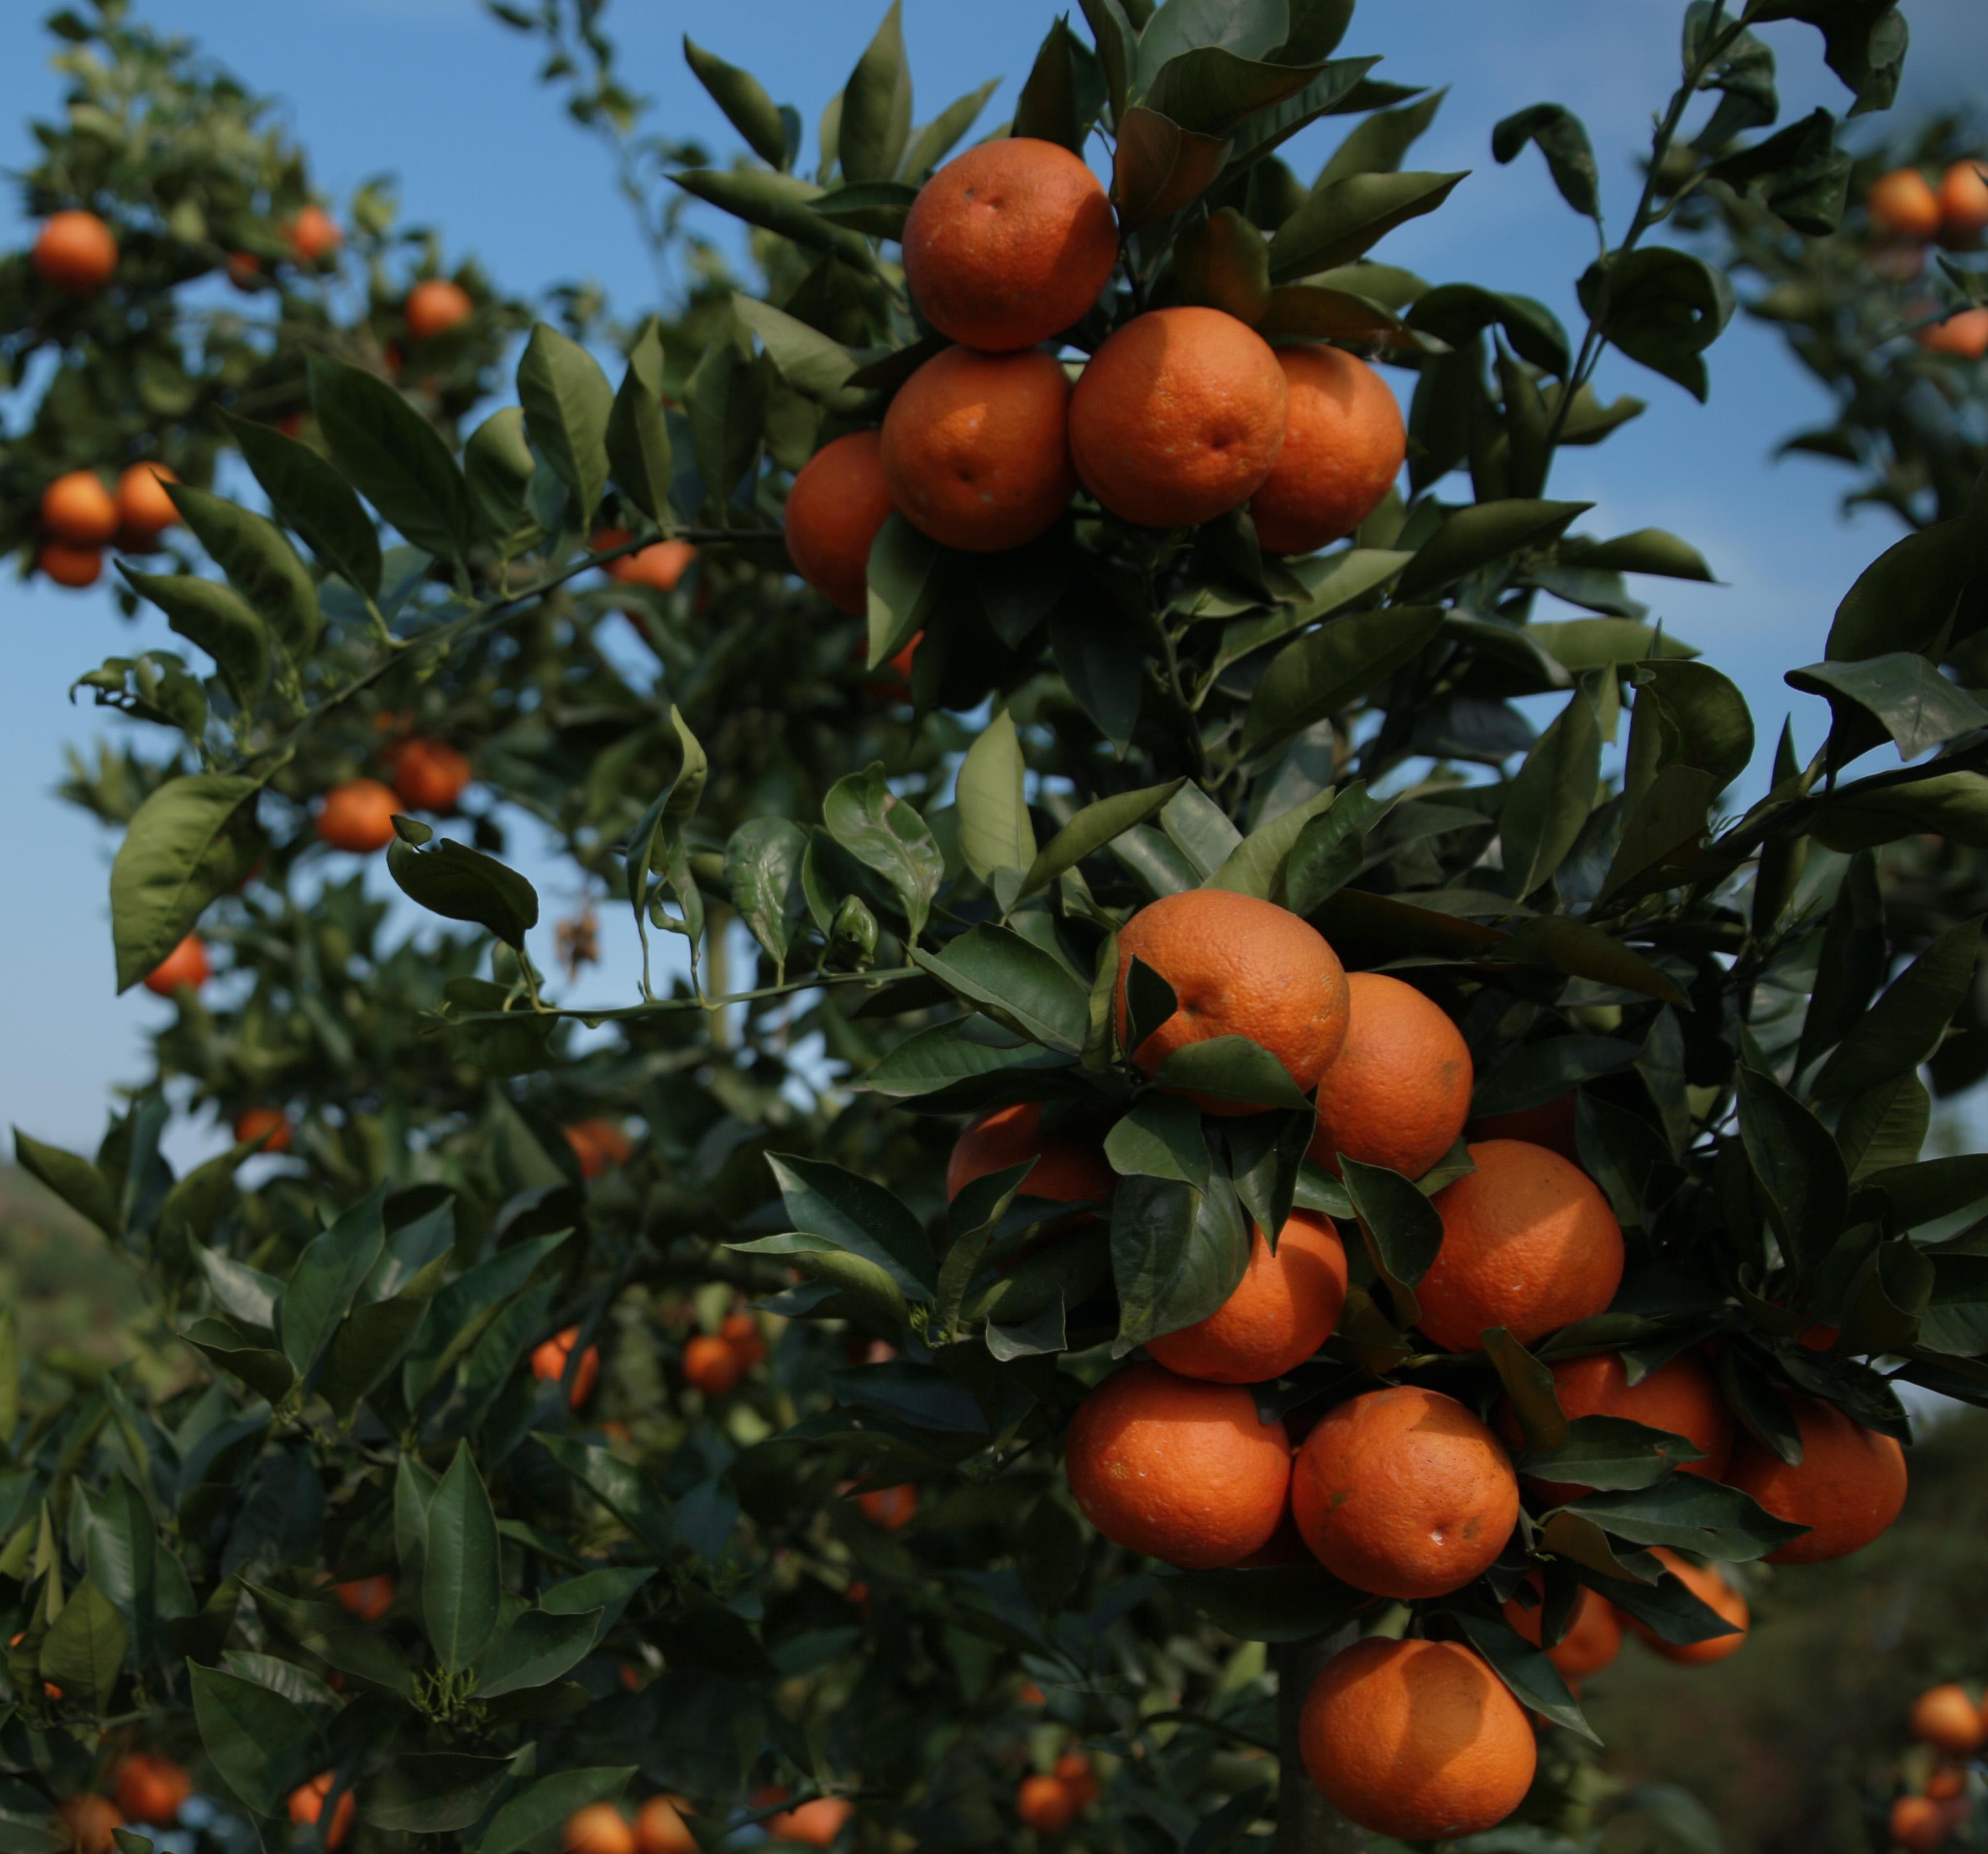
(1963, 201)
(1964, 333)
(840, 498)
(1919, 1824)
(1239, 967)
(1528, 1243)
(74, 252)
(1416, 1739)
(307, 1806)
(1405, 1493)
(435, 305)
(90, 1823)
(1947, 1784)
(1680, 1397)
(660, 1827)
(1594, 1636)
(740, 1332)
(598, 1145)
(367, 1598)
(1902, 205)
(1180, 1469)
(254, 1123)
(976, 448)
(1066, 1170)
(711, 1365)
(658, 566)
(1179, 417)
(358, 815)
(1398, 1092)
(1849, 1487)
(814, 1824)
(1344, 445)
(70, 565)
(186, 965)
(1045, 1804)
(1074, 1771)
(1707, 1584)
(145, 510)
(149, 1788)
(891, 1507)
(598, 1828)
(1009, 243)
(1947, 1716)
(548, 1363)
(313, 234)
(77, 508)
(1280, 1312)
(428, 775)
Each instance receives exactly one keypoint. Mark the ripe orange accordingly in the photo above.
(1849, 1487)
(1065, 1171)
(435, 305)
(1947, 1718)
(253, 1122)
(659, 565)
(367, 1598)
(1179, 1469)
(740, 1332)
(77, 508)
(549, 1365)
(1947, 1783)
(1707, 1584)
(1550, 1125)
(1681, 1398)
(90, 1822)
(660, 1827)
(358, 815)
(428, 775)
(1074, 1772)
(149, 1788)
(598, 1145)
(711, 1365)
(145, 510)
(1282, 1311)
(243, 271)
(1344, 445)
(1964, 333)
(1416, 1739)
(891, 1507)
(814, 1824)
(1594, 1636)
(838, 500)
(1398, 1092)
(1009, 243)
(1179, 417)
(1919, 1824)
(1963, 201)
(1528, 1243)
(307, 1805)
(74, 252)
(598, 1828)
(1239, 967)
(1902, 205)
(1047, 1804)
(313, 234)
(976, 448)
(74, 567)
(1404, 1492)
(186, 965)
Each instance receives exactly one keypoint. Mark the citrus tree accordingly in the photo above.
(1430, 1194)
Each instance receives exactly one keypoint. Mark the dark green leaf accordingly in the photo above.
(1548, 802)
(876, 106)
(1270, 1602)
(638, 434)
(532, 1819)
(1535, 1682)
(1798, 1164)
(1340, 221)
(1564, 141)
(861, 1218)
(1610, 1452)
(310, 495)
(218, 620)
(1400, 1227)
(459, 883)
(884, 833)
(263, 1744)
(392, 455)
(1661, 306)
(534, 1651)
(261, 564)
(1176, 1255)
(1330, 668)
(1470, 539)
(1017, 984)
(1231, 1068)
(1092, 829)
(1692, 1512)
(746, 104)
(460, 1589)
(1905, 1026)
(1529, 1388)
(1158, 167)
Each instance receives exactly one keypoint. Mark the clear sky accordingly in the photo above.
(434, 91)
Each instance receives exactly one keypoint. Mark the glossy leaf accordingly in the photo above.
(459, 883)
(392, 456)
(1176, 1255)
(994, 829)
(260, 563)
(310, 496)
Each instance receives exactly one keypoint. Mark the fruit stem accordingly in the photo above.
(1306, 1823)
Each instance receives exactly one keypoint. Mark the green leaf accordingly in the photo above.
(1329, 314)
(1334, 666)
(1904, 598)
(994, 829)
(621, 1486)
(1016, 983)
(933, 143)
(1378, 144)
(1547, 803)
(1934, 1188)
(1231, 1068)
(1467, 539)
(218, 620)
(851, 1213)
(72, 1179)
(1401, 1228)
(1610, 1452)
(1211, 90)
(435, 1793)
(1049, 108)
(535, 1651)
(1341, 220)
(375, 1338)
(878, 208)
(1899, 695)
(1160, 1137)
(1868, 812)
(1177, 1254)
(1884, 1125)
(459, 883)
(310, 495)
(745, 104)
(460, 1588)
(1093, 827)
(1905, 1026)
(1250, 30)
(1222, 261)
(657, 841)
(1661, 306)
(326, 1630)
(1529, 1671)
(1457, 312)
(1270, 1602)
(532, 1819)
(1157, 166)
(392, 456)
(1561, 138)
(260, 563)
(1539, 1072)
(1800, 1172)
(83, 1651)
(1257, 865)
(1330, 849)
(876, 106)
(567, 401)
(321, 1287)
(807, 360)
(763, 875)
(904, 579)
(263, 1744)
(499, 466)
(638, 434)
(192, 839)
(1647, 550)
(1690, 1512)
(779, 203)
(1530, 1389)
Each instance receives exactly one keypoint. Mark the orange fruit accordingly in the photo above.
(1065, 1171)
(598, 1828)
(1239, 967)
(598, 1145)
(1074, 1772)
(1946, 1784)
(1528, 1243)
(186, 965)
(1416, 1739)
(891, 1507)
(659, 565)
(549, 1365)
(243, 271)
(313, 234)
(1946, 1717)
(1963, 201)
(358, 815)
(660, 1827)
(145, 510)
(976, 448)
(1405, 1493)
(1179, 1469)
(1009, 243)
(1551, 1124)
(367, 1598)
(1902, 205)
(253, 1122)
(435, 305)
(1964, 333)
(838, 500)
(814, 1824)
(1681, 1398)
(66, 565)
(1594, 1636)
(740, 1332)
(307, 1805)
(1849, 1487)
(1344, 445)
(90, 1823)
(428, 775)
(711, 1365)
(1179, 417)
(77, 508)
(1398, 1092)
(1281, 1311)
(74, 252)
(149, 1788)
(1047, 1804)
(1919, 1824)
(1707, 1584)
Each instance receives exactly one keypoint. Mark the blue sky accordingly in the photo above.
(433, 91)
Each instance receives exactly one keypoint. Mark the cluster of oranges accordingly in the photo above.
(146, 1790)
(1908, 210)
(81, 515)
(1402, 1491)
(1949, 1720)
(658, 1828)
(1181, 415)
(1049, 1800)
